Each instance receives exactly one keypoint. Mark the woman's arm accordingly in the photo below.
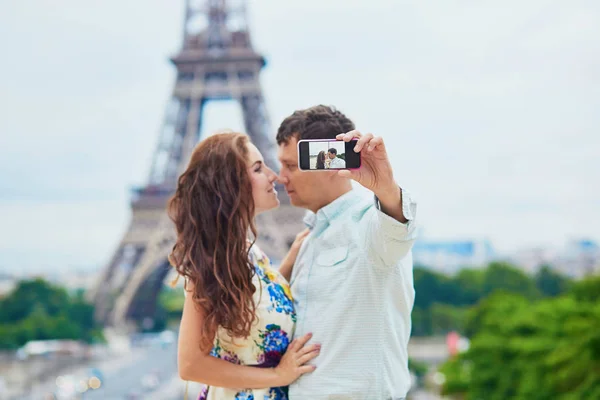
(287, 265)
(198, 366)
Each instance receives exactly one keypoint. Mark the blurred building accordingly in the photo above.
(451, 255)
(7, 283)
(577, 258)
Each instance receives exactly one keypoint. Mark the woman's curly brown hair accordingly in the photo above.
(213, 212)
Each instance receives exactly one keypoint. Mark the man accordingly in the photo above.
(335, 161)
(352, 282)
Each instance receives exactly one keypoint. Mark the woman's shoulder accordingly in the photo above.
(265, 268)
(258, 256)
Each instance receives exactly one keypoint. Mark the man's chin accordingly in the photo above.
(295, 201)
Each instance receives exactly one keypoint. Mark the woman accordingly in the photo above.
(321, 160)
(238, 313)
(327, 160)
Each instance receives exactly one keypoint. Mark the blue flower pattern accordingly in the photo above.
(281, 302)
(275, 339)
(281, 297)
(245, 395)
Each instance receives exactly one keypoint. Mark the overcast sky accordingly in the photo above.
(490, 112)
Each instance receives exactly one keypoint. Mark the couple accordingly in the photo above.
(350, 292)
(330, 160)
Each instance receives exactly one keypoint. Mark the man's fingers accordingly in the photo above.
(374, 143)
(367, 140)
(362, 141)
(349, 173)
(348, 136)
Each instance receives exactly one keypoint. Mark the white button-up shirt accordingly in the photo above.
(352, 285)
(337, 163)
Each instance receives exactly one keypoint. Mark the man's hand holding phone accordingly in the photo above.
(376, 172)
(327, 155)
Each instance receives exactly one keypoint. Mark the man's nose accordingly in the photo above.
(282, 179)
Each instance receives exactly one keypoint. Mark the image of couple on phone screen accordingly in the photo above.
(327, 155)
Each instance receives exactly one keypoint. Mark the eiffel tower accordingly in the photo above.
(216, 62)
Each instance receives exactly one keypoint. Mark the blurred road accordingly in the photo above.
(422, 395)
(132, 374)
(147, 370)
(154, 367)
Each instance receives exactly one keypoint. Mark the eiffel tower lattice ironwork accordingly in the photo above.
(217, 61)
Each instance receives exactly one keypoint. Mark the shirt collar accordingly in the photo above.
(332, 210)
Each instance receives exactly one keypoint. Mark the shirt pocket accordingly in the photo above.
(333, 256)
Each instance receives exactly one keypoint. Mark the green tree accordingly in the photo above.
(470, 285)
(446, 318)
(587, 290)
(171, 300)
(545, 349)
(421, 322)
(442, 301)
(551, 283)
(431, 287)
(30, 294)
(503, 276)
(38, 310)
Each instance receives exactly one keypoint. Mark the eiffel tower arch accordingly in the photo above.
(216, 62)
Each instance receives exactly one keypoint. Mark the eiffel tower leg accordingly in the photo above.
(99, 294)
(114, 278)
(154, 255)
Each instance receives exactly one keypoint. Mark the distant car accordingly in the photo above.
(133, 395)
(95, 372)
(167, 337)
(150, 382)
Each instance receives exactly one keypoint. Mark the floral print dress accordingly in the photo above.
(269, 337)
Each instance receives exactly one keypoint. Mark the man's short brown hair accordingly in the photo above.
(317, 122)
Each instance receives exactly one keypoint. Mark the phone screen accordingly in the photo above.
(316, 155)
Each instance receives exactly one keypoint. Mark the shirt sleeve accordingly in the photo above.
(387, 239)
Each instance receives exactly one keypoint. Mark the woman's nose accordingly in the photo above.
(272, 176)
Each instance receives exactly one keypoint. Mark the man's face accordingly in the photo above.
(331, 155)
(303, 188)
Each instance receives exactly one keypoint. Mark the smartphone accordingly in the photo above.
(326, 154)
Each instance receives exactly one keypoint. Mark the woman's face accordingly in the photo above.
(263, 181)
